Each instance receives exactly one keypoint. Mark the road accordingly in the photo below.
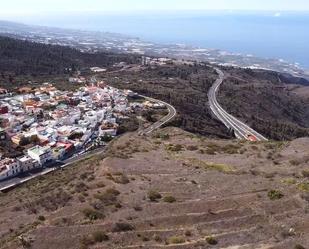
(241, 130)
(171, 114)
(13, 182)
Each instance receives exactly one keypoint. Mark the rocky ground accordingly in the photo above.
(171, 190)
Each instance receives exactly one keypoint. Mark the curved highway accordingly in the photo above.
(171, 114)
(241, 130)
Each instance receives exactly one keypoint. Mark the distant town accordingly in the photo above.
(52, 125)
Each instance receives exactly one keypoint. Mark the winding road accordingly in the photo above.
(241, 130)
(171, 114)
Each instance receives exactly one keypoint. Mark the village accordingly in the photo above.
(52, 125)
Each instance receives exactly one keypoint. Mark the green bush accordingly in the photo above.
(122, 227)
(275, 194)
(109, 197)
(211, 240)
(303, 186)
(192, 147)
(174, 147)
(92, 214)
(164, 136)
(112, 191)
(169, 199)
(154, 195)
(231, 149)
(100, 236)
(41, 218)
(121, 179)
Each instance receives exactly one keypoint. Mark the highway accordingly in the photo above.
(171, 114)
(13, 182)
(241, 130)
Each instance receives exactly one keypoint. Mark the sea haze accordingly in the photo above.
(282, 35)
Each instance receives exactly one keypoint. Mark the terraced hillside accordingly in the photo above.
(172, 190)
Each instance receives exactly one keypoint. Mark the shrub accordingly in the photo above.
(211, 240)
(26, 243)
(210, 151)
(231, 149)
(81, 198)
(121, 179)
(289, 181)
(145, 238)
(176, 240)
(274, 194)
(169, 199)
(100, 185)
(305, 173)
(192, 147)
(303, 186)
(154, 195)
(112, 191)
(138, 208)
(174, 148)
(41, 218)
(109, 197)
(164, 136)
(92, 214)
(86, 241)
(81, 187)
(295, 162)
(298, 246)
(157, 238)
(100, 236)
(220, 167)
(122, 227)
(188, 233)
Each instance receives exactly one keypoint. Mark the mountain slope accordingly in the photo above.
(22, 57)
(264, 100)
(172, 190)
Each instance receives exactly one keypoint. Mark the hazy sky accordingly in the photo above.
(26, 7)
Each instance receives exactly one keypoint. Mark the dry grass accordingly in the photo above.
(176, 240)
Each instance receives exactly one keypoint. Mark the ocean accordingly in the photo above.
(282, 35)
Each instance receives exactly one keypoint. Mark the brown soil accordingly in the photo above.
(221, 193)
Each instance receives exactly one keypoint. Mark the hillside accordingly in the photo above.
(171, 190)
(183, 86)
(27, 58)
(270, 102)
(263, 99)
(266, 102)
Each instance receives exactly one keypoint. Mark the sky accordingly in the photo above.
(31, 7)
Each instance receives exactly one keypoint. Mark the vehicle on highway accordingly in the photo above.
(252, 138)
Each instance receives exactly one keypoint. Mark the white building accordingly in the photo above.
(98, 69)
(8, 168)
(108, 129)
(41, 154)
(27, 163)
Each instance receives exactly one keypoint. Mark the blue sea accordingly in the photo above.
(282, 35)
